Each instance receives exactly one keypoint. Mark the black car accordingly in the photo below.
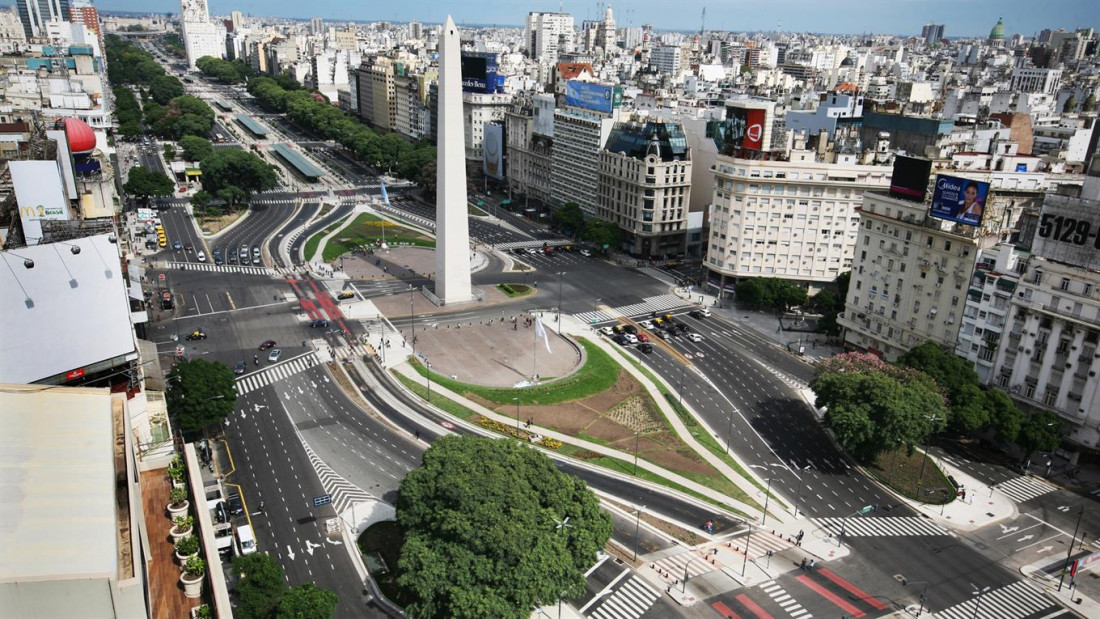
(236, 506)
(645, 347)
(631, 329)
(683, 328)
(318, 324)
(698, 315)
(221, 512)
(619, 339)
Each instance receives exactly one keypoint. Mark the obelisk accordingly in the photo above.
(452, 228)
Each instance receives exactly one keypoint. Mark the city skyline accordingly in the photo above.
(962, 19)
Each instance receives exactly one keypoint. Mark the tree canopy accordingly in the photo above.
(195, 148)
(770, 293)
(225, 71)
(237, 172)
(603, 233)
(164, 88)
(184, 115)
(480, 521)
(873, 406)
(307, 601)
(145, 184)
(570, 217)
(202, 393)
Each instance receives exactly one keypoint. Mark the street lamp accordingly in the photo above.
(561, 276)
(767, 495)
(516, 400)
(927, 445)
(923, 594)
(748, 541)
(561, 525)
(798, 495)
(1069, 552)
(637, 525)
(412, 320)
(729, 431)
(978, 593)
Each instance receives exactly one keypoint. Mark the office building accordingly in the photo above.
(645, 186)
(667, 59)
(478, 110)
(546, 35)
(35, 14)
(932, 33)
(201, 37)
(83, 12)
(316, 26)
(1029, 79)
(528, 151)
(579, 134)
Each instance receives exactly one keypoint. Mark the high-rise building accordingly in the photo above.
(83, 12)
(201, 37)
(645, 186)
(579, 134)
(932, 33)
(237, 19)
(529, 144)
(316, 26)
(480, 109)
(416, 30)
(35, 14)
(1028, 79)
(667, 59)
(548, 34)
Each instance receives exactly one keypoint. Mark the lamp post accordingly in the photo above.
(680, 389)
(637, 525)
(1069, 551)
(767, 495)
(923, 594)
(561, 525)
(561, 276)
(927, 444)
(978, 593)
(412, 321)
(516, 400)
(798, 495)
(748, 541)
(635, 453)
(729, 431)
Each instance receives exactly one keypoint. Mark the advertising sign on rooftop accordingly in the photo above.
(38, 192)
(592, 96)
(959, 200)
(910, 178)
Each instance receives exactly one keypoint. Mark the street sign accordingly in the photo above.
(161, 277)
(179, 351)
(324, 499)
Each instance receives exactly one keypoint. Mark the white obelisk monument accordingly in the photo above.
(452, 232)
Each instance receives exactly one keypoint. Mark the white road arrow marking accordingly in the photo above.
(300, 390)
(1063, 508)
(1045, 549)
(327, 380)
(286, 395)
(289, 552)
(313, 384)
(1025, 538)
(757, 466)
(1005, 529)
(310, 546)
(335, 542)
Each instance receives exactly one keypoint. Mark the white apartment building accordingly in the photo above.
(477, 110)
(795, 219)
(548, 34)
(528, 154)
(910, 277)
(575, 160)
(667, 59)
(1030, 79)
(1050, 356)
(988, 303)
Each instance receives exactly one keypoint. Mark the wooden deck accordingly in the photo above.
(164, 574)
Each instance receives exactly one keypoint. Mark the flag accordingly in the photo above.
(541, 332)
(385, 196)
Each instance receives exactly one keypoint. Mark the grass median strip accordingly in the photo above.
(367, 229)
(315, 240)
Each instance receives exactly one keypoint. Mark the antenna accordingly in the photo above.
(703, 22)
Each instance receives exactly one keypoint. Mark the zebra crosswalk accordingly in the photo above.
(220, 268)
(274, 373)
(673, 567)
(1022, 489)
(660, 303)
(760, 544)
(890, 526)
(525, 244)
(1014, 601)
(630, 601)
(344, 493)
(780, 596)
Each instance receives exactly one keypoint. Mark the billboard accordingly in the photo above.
(598, 97)
(1069, 231)
(492, 150)
(910, 178)
(742, 128)
(39, 194)
(481, 73)
(959, 200)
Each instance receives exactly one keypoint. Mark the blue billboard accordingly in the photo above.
(598, 97)
(480, 73)
(959, 199)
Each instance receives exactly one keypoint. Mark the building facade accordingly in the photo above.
(548, 34)
(528, 154)
(477, 110)
(574, 163)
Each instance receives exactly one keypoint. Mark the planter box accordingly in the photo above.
(177, 536)
(192, 588)
(182, 559)
(178, 511)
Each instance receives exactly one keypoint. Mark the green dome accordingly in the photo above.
(998, 31)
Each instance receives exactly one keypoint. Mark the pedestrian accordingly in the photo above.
(418, 435)
(813, 562)
(802, 565)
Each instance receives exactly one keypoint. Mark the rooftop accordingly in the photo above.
(250, 124)
(304, 167)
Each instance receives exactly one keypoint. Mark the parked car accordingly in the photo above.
(274, 355)
(255, 251)
(645, 347)
(239, 369)
(607, 331)
(318, 324)
(235, 505)
(586, 253)
(267, 344)
(221, 512)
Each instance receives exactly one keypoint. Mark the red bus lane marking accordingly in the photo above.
(854, 590)
(753, 607)
(327, 303)
(725, 611)
(308, 306)
(832, 597)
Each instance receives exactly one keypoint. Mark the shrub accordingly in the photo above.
(195, 567)
(182, 523)
(187, 545)
(178, 496)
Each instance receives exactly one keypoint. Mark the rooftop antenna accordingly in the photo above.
(703, 22)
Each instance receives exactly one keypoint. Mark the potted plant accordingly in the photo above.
(176, 471)
(181, 527)
(201, 612)
(177, 502)
(192, 576)
(186, 547)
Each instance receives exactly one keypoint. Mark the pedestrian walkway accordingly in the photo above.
(780, 596)
(889, 526)
(1023, 489)
(275, 373)
(660, 303)
(760, 544)
(220, 268)
(630, 601)
(1014, 601)
(526, 244)
(673, 568)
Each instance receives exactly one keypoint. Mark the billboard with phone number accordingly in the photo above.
(598, 97)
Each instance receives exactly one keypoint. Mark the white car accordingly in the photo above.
(201, 255)
(607, 331)
(645, 324)
(695, 337)
(586, 253)
(532, 250)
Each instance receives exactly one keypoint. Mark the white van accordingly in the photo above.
(246, 540)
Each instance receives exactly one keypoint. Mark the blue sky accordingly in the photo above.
(962, 17)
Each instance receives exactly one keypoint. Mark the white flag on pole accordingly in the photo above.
(541, 332)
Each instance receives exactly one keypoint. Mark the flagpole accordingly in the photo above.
(535, 351)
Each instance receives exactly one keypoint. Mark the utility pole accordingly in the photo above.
(1069, 552)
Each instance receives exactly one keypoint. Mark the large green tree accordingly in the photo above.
(184, 115)
(195, 148)
(307, 602)
(770, 293)
(234, 168)
(201, 393)
(481, 517)
(872, 405)
(603, 233)
(164, 88)
(145, 184)
(1041, 431)
(260, 584)
(570, 217)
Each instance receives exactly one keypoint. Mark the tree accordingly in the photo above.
(770, 293)
(1041, 432)
(873, 405)
(828, 323)
(145, 184)
(203, 393)
(481, 540)
(169, 152)
(129, 130)
(230, 167)
(307, 602)
(570, 217)
(260, 585)
(603, 233)
(195, 148)
(200, 201)
(164, 88)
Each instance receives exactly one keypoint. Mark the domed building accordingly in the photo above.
(997, 34)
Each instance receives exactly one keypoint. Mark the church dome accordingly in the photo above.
(998, 31)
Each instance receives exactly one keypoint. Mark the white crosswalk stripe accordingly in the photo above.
(525, 244)
(674, 565)
(1013, 601)
(629, 601)
(780, 596)
(900, 526)
(1023, 489)
(660, 303)
(759, 545)
(275, 373)
(221, 268)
